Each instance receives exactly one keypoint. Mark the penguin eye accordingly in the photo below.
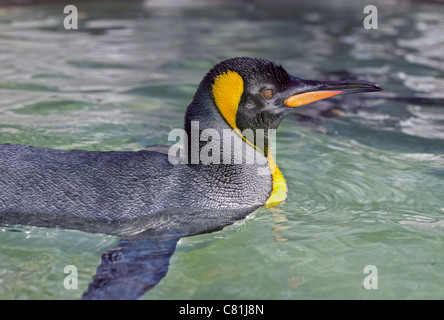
(267, 94)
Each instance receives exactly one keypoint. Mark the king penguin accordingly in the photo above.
(224, 171)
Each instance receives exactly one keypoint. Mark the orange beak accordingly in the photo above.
(318, 90)
(309, 97)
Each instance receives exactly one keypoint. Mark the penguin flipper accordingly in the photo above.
(130, 269)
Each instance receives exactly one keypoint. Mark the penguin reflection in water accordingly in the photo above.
(149, 201)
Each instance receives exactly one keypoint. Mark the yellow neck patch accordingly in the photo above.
(279, 191)
(227, 91)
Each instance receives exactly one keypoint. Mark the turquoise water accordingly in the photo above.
(366, 183)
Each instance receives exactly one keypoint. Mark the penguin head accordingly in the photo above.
(251, 93)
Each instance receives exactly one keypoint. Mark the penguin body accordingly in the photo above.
(118, 188)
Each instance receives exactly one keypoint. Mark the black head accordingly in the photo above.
(258, 93)
(261, 82)
(255, 94)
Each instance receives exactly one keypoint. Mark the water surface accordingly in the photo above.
(365, 174)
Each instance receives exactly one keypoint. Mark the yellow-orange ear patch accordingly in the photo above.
(227, 91)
